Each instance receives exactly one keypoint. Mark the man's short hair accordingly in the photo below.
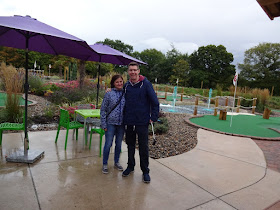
(133, 64)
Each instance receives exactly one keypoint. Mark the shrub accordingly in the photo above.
(274, 102)
(260, 107)
(35, 83)
(3, 115)
(70, 109)
(50, 111)
(160, 127)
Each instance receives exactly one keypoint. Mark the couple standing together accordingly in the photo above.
(129, 108)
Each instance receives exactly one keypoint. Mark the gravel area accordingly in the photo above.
(180, 138)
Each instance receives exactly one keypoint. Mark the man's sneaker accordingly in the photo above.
(105, 169)
(127, 171)
(146, 178)
(118, 166)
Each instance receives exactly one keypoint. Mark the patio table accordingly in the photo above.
(85, 113)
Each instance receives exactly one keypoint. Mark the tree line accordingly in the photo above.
(206, 67)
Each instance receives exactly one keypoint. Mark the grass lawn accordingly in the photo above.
(241, 124)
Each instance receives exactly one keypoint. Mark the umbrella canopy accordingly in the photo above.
(110, 55)
(30, 34)
(16, 30)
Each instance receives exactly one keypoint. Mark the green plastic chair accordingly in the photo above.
(65, 122)
(11, 126)
(101, 133)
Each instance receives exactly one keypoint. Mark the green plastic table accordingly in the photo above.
(85, 113)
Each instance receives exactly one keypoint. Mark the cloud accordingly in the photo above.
(164, 45)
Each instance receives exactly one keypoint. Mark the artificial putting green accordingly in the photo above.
(3, 98)
(241, 124)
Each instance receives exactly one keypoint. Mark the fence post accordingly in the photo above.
(182, 94)
(254, 105)
(195, 106)
(266, 113)
(226, 101)
(165, 96)
(216, 105)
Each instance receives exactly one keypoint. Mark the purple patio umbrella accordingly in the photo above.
(32, 35)
(108, 54)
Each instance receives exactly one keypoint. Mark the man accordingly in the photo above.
(141, 108)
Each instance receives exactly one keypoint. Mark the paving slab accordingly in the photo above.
(258, 196)
(17, 191)
(231, 146)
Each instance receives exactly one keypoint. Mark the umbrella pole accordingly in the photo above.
(26, 156)
(26, 87)
(97, 94)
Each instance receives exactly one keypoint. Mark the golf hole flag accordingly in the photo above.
(235, 79)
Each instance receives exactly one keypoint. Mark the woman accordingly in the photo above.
(111, 115)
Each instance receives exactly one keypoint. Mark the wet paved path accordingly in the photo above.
(221, 172)
(271, 150)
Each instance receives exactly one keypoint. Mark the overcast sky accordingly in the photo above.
(144, 24)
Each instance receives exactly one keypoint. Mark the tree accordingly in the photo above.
(12, 56)
(154, 59)
(214, 64)
(171, 58)
(92, 68)
(59, 62)
(261, 67)
(118, 45)
(180, 72)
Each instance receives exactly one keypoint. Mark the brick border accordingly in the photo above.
(187, 120)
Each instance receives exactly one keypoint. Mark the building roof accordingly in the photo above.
(271, 7)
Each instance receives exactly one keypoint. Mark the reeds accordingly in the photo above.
(13, 84)
(262, 95)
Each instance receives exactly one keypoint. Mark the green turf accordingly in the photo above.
(3, 98)
(241, 124)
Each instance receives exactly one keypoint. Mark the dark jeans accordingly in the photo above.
(142, 133)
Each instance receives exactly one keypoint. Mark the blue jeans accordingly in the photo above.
(113, 130)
